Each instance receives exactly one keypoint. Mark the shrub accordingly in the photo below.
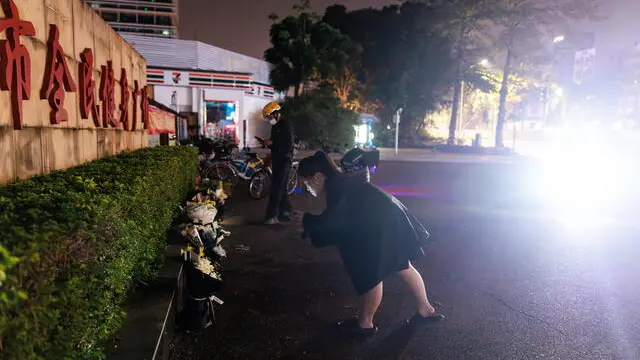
(319, 120)
(75, 242)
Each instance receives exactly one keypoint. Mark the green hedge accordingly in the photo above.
(74, 243)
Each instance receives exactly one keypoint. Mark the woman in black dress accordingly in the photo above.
(374, 232)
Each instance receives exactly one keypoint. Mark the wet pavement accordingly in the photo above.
(516, 280)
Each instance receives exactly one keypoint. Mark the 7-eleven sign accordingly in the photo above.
(177, 78)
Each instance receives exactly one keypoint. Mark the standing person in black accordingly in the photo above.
(281, 145)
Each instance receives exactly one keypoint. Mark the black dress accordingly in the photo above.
(374, 232)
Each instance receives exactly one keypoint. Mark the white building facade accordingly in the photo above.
(219, 91)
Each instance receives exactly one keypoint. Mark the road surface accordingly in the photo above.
(515, 279)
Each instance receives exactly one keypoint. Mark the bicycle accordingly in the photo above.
(260, 182)
(232, 170)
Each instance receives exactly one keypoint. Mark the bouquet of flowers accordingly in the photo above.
(201, 213)
(204, 252)
(190, 232)
(202, 275)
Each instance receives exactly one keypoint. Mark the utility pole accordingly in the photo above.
(397, 118)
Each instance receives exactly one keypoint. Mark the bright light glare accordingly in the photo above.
(558, 39)
(577, 177)
(484, 62)
(559, 92)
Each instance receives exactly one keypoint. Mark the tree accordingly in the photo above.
(404, 61)
(304, 49)
(351, 83)
(462, 21)
(525, 26)
(319, 119)
(290, 53)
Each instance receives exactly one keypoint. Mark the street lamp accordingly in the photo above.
(558, 39)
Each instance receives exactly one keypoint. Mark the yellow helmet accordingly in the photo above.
(270, 108)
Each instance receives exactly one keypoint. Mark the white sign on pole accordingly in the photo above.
(397, 127)
(583, 65)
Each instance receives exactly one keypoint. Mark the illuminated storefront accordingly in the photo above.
(364, 131)
(220, 92)
(221, 118)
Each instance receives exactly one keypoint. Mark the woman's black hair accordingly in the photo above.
(320, 162)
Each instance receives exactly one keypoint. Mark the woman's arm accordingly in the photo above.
(325, 229)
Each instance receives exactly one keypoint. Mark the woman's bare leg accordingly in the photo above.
(370, 302)
(412, 277)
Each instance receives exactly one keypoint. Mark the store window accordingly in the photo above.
(109, 16)
(163, 20)
(145, 19)
(221, 119)
(127, 18)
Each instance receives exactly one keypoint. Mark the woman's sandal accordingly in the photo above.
(419, 320)
(352, 327)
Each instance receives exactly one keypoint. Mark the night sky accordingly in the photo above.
(243, 25)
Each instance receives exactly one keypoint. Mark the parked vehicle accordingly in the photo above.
(260, 182)
(233, 169)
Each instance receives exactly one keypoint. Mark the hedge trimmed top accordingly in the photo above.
(73, 244)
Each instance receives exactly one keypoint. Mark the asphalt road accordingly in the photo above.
(516, 279)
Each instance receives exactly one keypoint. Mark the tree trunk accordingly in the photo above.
(455, 110)
(457, 88)
(504, 92)
(296, 90)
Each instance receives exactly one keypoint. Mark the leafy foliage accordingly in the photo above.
(304, 49)
(319, 119)
(405, 62)
(75, 243)
(525, 26)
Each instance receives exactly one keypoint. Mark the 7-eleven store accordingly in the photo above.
(215, 103)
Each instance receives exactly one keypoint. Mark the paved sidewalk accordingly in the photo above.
(512, 287)
(283, 297)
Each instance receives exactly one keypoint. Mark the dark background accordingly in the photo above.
(243, 25)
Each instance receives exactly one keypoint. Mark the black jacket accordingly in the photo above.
(282, 141)
(374, 232)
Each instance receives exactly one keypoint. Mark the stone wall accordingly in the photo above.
(41, 147)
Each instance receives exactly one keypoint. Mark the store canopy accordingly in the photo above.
(162, 119)
(368, 118)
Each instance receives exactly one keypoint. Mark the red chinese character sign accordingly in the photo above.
(57, 78)
(15, 62)
(144, 106)
(125, 94)
(107, 96)
(87, 87)
(136, 92)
